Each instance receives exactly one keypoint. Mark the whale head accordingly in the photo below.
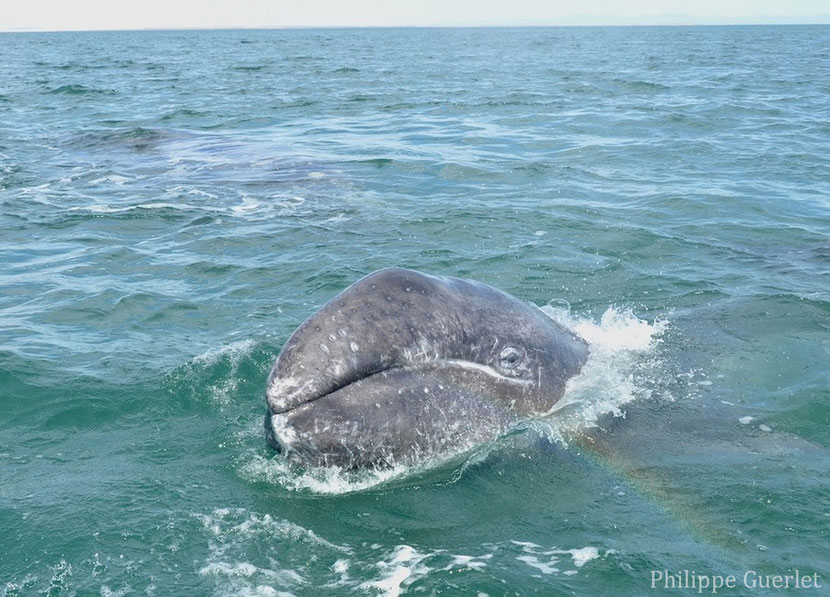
(403, 365)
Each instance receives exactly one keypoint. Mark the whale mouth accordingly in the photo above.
(461, 367)
(419, 399)
(280, 431)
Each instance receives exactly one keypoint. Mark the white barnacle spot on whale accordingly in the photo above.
(283, 429)
(353, 346)
(324, 348)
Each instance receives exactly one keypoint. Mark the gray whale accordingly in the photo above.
(403, 366)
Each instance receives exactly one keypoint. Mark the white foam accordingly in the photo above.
(235, 351)
(338, 219)
(545, 560)
(401, 569)
(533, 562)
(113, 178)
(583, 555)
(330, 480)
(224, 522)
(341, 567)
(391, 585)
(472, 562)
(231, 531)
(248, 204)
(372, 569)
(190, 190)
(225, 569)
(107, 592)
(108, 209)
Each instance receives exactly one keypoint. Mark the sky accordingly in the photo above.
(153, 14)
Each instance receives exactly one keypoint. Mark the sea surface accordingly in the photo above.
(174, 203)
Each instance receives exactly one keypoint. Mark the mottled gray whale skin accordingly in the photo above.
(402, 366)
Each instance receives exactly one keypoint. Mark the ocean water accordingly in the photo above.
(173, 204)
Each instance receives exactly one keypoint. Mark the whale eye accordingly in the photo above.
(510, 358)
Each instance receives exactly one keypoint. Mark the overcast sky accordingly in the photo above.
(144, 14)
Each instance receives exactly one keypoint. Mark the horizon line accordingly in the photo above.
(822, 20)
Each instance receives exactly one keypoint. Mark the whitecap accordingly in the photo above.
(547, 560)
(583, 555)
(248, 205)
(543, 567)
(401, 569)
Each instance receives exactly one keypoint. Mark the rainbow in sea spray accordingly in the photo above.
(626, 365)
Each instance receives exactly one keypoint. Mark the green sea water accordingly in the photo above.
(173, 204)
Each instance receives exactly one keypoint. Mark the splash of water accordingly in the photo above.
(623, 365)
(321, 480)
